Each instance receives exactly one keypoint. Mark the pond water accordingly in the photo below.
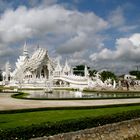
(76, 94)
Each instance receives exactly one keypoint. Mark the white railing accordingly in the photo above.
(72, 79)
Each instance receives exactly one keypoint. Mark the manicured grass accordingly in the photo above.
(28, 118)
(20, 95)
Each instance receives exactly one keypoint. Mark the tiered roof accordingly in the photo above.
(39, 58)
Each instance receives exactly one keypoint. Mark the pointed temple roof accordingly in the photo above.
(66, 67)
(39, 58)
(58, 67)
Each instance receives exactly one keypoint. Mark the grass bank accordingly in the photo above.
(35, 117)
(24, 125)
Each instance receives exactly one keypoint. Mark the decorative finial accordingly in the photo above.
(25, 51)
(66, 63)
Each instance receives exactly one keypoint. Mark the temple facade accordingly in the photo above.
(39, 70)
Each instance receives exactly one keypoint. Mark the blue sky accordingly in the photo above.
(105, 34)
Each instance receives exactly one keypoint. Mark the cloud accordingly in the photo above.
(116, 17)
(127, 49)
(27, 23)
(135, 39)
(118, 20)
(75, 30)
(80, 42)
(127, 28)
(125, 54)
(79, 58)
(66, 31)
(77, 43)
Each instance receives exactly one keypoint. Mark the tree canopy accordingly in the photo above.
(106, 75)
(79, 70)
(92, 73)
(135, 73)
(0, 75)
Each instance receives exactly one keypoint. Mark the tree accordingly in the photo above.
(79, 70)
(106, 75)
(135, 73)
(92, 73)
(1, 75)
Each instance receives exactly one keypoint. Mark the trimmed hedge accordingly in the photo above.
(1, 88)
(20, 95)
(47, 129)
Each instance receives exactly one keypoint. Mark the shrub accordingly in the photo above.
(1, 88)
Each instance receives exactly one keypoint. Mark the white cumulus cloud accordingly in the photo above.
(116, 17)
(126, 53)
(76, 30)
(135, 39)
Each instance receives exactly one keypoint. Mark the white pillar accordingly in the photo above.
(7, 67)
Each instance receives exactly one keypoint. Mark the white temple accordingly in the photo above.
(40, 71)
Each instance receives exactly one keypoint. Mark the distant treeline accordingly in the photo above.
(79, 70)
(0, 75)
(135, 73)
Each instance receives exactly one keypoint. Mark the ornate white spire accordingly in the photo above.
(66, 67)
(25, 51)
(7, 70)
(86, 73)
(58, 67)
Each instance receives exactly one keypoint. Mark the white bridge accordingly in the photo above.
(72, 80)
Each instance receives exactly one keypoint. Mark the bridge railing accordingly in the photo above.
(72, 78)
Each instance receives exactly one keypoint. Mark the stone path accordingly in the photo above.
(8, 103)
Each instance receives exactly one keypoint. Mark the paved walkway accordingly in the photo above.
(8, 103)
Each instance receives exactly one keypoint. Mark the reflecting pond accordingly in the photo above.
(77, 94)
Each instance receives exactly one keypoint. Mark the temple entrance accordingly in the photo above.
(45, 72)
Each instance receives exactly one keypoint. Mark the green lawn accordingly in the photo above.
(28, 118)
